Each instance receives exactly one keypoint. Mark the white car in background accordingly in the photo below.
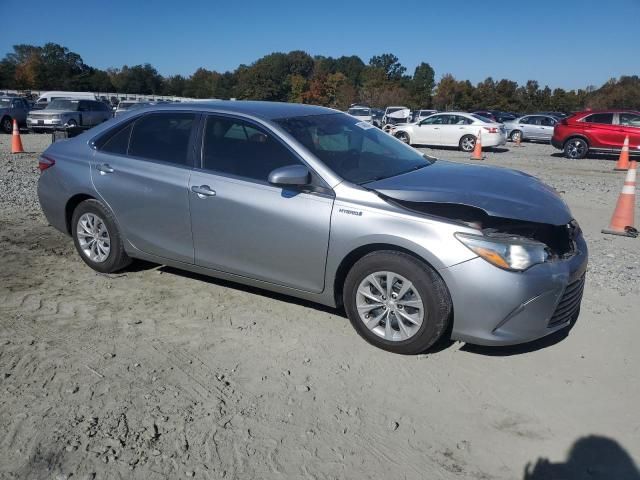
(452, 129)
(361, 113)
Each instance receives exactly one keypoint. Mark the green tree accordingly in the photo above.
(390, 64)
(421, 86)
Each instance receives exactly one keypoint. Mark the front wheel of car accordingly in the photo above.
(7, 125)
(576, 148)
(97, 238)
(72, 124)
(403, 137)
(396, 302)
(516, 136)
(467, 143)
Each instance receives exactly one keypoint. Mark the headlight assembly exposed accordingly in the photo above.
(509, 253)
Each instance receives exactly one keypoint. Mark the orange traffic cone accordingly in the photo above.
(622, 220)
(16, 143)
(477, 150)
(623, 161)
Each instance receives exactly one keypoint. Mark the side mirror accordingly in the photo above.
(291, 175)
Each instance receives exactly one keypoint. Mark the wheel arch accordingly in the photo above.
(71, 205)
(576, 135)
(356, 254)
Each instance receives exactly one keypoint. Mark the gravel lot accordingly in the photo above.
(154, 373)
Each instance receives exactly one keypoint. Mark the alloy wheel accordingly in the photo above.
(403, 137)
(576, 149)
(7, 125)
(93, 237)
(390, 306)
(468, 143)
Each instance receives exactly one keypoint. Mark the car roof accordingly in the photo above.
(265, 110)
(608, 110)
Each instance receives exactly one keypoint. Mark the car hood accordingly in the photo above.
(500, 192)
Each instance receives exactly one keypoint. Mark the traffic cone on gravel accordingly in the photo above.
(16, 143)
(477, 150)
(622, 220)
(623, 161)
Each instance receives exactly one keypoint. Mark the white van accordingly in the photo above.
(46, 97)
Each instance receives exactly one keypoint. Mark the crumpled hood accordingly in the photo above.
(500, 192)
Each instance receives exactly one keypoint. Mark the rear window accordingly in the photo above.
(630, 119)
(603, 118)
(162, 136)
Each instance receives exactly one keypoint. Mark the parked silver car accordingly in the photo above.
(126, 105)
(68, 113)
(314, 203)
(531, 127)
(13, 108)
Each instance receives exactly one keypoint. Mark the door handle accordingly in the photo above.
(104, 169)
(203, 191)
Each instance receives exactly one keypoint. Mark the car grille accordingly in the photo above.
(569, 303)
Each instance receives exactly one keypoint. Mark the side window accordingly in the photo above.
(436, 120)
(524, 120)
(235, 147)
(604, 118)
(118, 142)
(547, 121)
(630, 119)
(459, 120)
(162, 136)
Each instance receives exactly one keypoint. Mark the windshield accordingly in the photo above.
(62, 104)
(395, 109)
(5, 102)
(354, 150)
(360, 112)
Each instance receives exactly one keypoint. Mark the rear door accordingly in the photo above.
(547, 124)
(245, 226)
(630, 124)
(602, 132)
(454, 129)
(85, 113)
(141, 171)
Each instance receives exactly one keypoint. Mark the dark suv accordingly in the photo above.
(600, 131)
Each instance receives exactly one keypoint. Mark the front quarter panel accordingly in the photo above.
(361, 218)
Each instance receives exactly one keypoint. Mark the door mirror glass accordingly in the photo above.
(291, 175)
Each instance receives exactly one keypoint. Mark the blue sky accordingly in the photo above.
(562, 43)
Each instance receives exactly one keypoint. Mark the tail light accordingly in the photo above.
(491, 129)
(45, 162)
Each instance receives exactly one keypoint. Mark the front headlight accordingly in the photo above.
(509, 253)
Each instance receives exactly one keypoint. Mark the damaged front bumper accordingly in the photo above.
(498, 307)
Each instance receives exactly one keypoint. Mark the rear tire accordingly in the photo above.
(97, 238)
(576, 148)
(417, 315)
(467, 143)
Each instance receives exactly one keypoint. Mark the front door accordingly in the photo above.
(428, 132)
(245, 226)
(142, 173)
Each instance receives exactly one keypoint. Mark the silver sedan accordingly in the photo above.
(531, 127)
(319, 205)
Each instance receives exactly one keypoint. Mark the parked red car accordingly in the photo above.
(600, 131)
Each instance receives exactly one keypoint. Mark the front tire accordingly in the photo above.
(576, 148)
(97, 238)
(516, 136)
(403, 137)
(7, 125)
(396, 302)
(467, 143)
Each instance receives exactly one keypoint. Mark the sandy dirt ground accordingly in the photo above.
(154, 373)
